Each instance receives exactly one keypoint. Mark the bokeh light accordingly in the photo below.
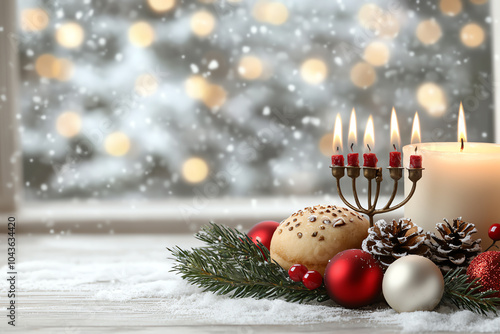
(34, 19)
(215, 97)
(325, 144)
(472, 35)
(70, 35)
(141, 34)
(117, 144)
(44, 65)
(369, 15)
(376, 54)
(196, 87)
(202, 23)
(68, 124)
(272, 12)
(429, 32)
(161, 6)
(250, 67)
(194, 170)
(478, 2)
(450, 7)
(432, 97)
(363, 75)
(313, 71)
(146, 84)
(388, 26)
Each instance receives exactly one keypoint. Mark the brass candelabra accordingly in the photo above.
(370, 173)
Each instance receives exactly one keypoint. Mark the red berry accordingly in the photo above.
(296, 272)
(494, 232)
(312, 280)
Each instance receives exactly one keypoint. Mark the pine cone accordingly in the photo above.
(456, 247)
(388, 242)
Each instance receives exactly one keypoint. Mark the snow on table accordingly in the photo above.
(110, 283)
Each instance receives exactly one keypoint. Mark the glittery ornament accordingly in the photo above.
(413, 283)
(486, 268)
(353, 278)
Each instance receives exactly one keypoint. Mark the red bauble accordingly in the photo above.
(263, 232)
(486, 268)
(494, 232)
(312, 280)
(353, 278)
(296, 272)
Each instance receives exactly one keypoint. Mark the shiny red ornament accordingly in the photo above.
(263, 232)
(353, 278)
(296, 272)
(486, 268)
(312, 280)
(494, 232)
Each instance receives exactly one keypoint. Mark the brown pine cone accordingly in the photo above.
(388, 242)
(456, 247)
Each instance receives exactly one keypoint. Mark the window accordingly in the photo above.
(168, 99)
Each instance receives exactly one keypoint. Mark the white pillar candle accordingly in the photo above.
(456, 184)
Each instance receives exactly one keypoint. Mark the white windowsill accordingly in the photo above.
(168, 216)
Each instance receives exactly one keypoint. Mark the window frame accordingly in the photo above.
(169, 215)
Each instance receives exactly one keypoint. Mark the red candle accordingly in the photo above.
(395, 159)
(338, 160)
(415, 161)
(370, 160)
(353, 159)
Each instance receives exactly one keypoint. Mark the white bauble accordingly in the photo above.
(413, 283)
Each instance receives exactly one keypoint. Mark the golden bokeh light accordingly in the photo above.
(272, 12)
(215, 97)
(62, 69)
(472, 35)
(117, 144)
(70, 35)
(161, 6)
(196, 87)
(34, 19)
(325, 144)
(450, 7)
(432, 97)
(44, 65)
(369, 15)
(146, 84)
(363, 75)
(313, 71)
(376, 54)
(141, 34)
(429, 32)
(194, 170)
(478, 2)
(69, 124)
(250, 67)
(202, 23)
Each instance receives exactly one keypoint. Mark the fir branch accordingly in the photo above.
(467, 294)
(231, 264)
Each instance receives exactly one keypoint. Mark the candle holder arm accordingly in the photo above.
(394, 192)
(412, 191)
(377, 193)
(341, 195)
(355, 194)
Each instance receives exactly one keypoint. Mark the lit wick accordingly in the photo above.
(352, 147)
(369, 149)
(394, 145)
(462, 146)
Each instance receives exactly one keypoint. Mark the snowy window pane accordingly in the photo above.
(173, 98)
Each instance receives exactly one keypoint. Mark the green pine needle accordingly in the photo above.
(231, 264)
(466, 294)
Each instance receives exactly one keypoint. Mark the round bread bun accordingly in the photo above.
(314, 235)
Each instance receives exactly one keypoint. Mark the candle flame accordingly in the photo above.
(415, 130)
(462, 130)
(353, 131)
(337, 135)
(369, 139)
(395, 138)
